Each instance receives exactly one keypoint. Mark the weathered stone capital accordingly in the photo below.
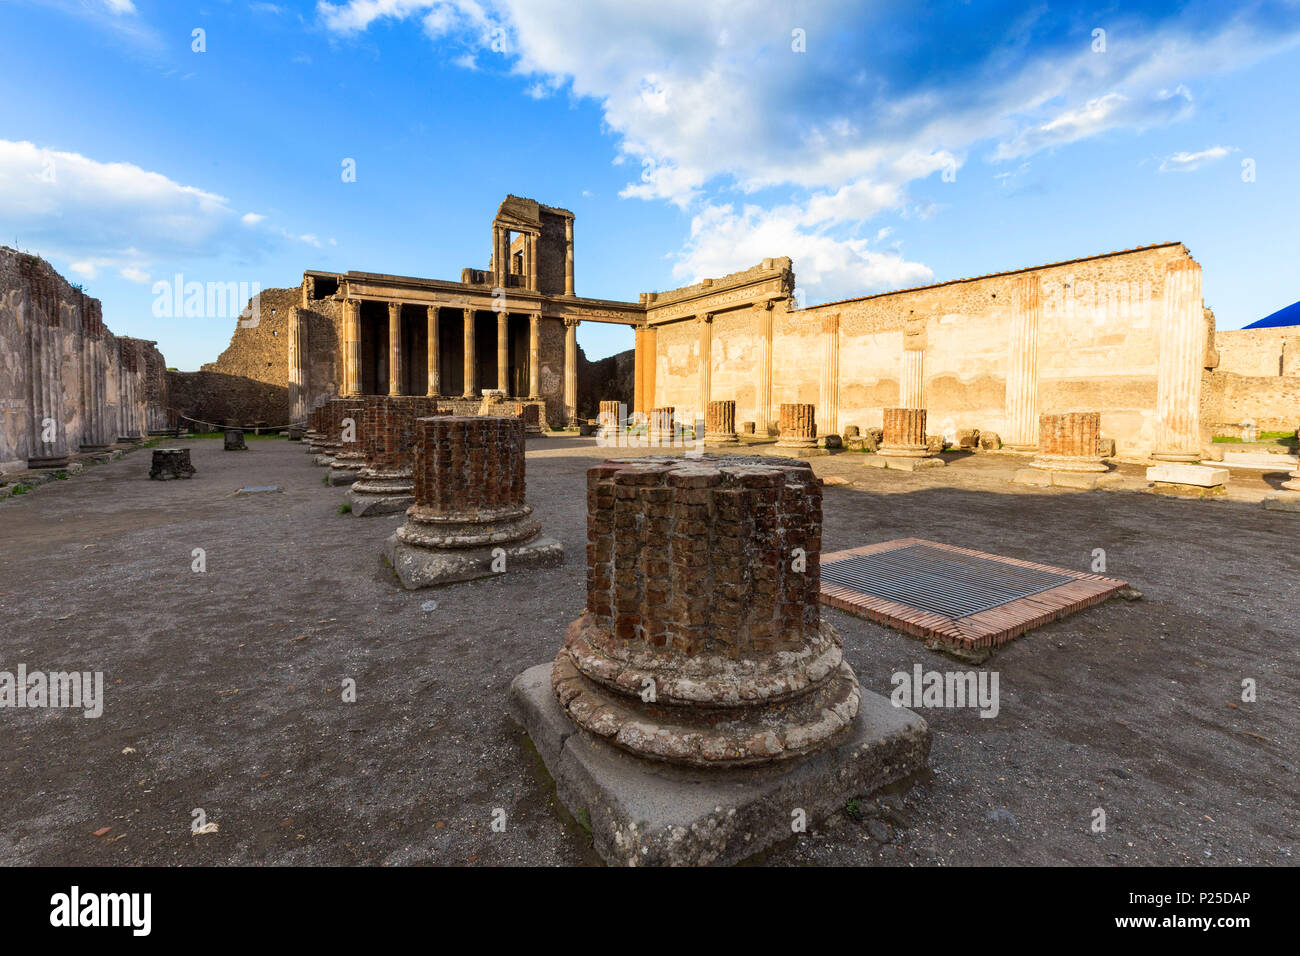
(570, 322)
(705, 317)
(351, 303)
(394, 307)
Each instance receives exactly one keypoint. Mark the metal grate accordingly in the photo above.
(939, 581)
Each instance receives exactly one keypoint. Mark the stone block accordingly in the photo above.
(1200, 476)
(645, 813)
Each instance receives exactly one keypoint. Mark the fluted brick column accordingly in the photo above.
(798, 426)
(705, 393)
(570, 370)
(396, 360)
(469, 512)
(693, 597)
(433, 353)
(763, 332)
(828, 409)
(1022, 364)
(609, 420)
(535, 355)
(1069, 441)
(662, 428)
(470, 362)
(568, 256)
(298, 365)
(1179, 370)
(904, 433)
(503, 353)
(720, 425)
(351, 346)
(385, 483)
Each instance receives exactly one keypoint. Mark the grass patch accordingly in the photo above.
(345, 508)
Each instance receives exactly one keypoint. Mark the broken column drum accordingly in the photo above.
(798, 426)
(235, 440)
(662, 429)
(171, 463)
(703, 641)
(904, 433)
(1069, 441)
(386, 483)
(607, 420)
(470, 518)
(720, 423)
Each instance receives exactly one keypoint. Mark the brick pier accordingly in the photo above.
(386, 482)
(720, 423)
(470, 518)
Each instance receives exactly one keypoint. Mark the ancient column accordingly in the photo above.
(350, 452)
(568, 256)
(720, 423)
(297, 366)
(470, 518)
(433, 354)
(503, 352)
(1022, 364)
(706, 362)
(351, 346)
(743, 668)
(1069, 441)
(904, 433)
(570, 370)
(49, 448)
(471, 363)
(763, 368)
(649, 369)
(396, 362)
(662, 429)
(609, 421)
(532, 263)
(385, 483)
(535, 356)
(308, 290)
(1178, 378)
(798, 426)
(828, 409)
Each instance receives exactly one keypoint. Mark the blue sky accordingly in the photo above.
(901, 145)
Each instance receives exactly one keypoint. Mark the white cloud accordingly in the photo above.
(1186, 162)
(116, 216)
(132, 274)
(1096, 116)
(120, 6)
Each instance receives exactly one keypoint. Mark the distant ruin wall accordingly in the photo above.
(67, 384)
(1258, 379)
(962, 350)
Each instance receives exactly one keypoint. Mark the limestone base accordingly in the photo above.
(721, 438)
(904, 464)
(796, 451)
(343, 474)
(1079, 480)
(56, 461)
(364, 503)
(645, 813)
(425, 567)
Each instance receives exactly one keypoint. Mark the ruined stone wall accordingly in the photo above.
(605, 380)
(67, 384)
(1257, 380)
(249, 381)
(1098, 334)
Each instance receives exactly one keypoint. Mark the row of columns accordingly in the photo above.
(352, 353)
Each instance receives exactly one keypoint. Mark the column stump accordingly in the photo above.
(609, 423)
(798, 427)
(700, 699)
(386, 482)
(662, 429)
(1069, 452)
(169, 463)
(235, 440)
(903, 444)
(470, 519)
(720, 424)
(350, 453)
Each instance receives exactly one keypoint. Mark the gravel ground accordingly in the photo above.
(224, 689)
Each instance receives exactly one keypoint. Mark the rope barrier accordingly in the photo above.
(269, 428)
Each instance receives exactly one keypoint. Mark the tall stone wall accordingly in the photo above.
(988, 353)
(67, 384)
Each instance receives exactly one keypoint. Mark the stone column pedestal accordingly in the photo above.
(470, 519)
(798, 426)
(235, 440)
(386, 482)
(703, 683)
(720, 424)
(903, 445)
(1069, 442)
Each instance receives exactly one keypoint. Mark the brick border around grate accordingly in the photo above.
(985, 629)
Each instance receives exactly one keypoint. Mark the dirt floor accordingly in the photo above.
(224, 688)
